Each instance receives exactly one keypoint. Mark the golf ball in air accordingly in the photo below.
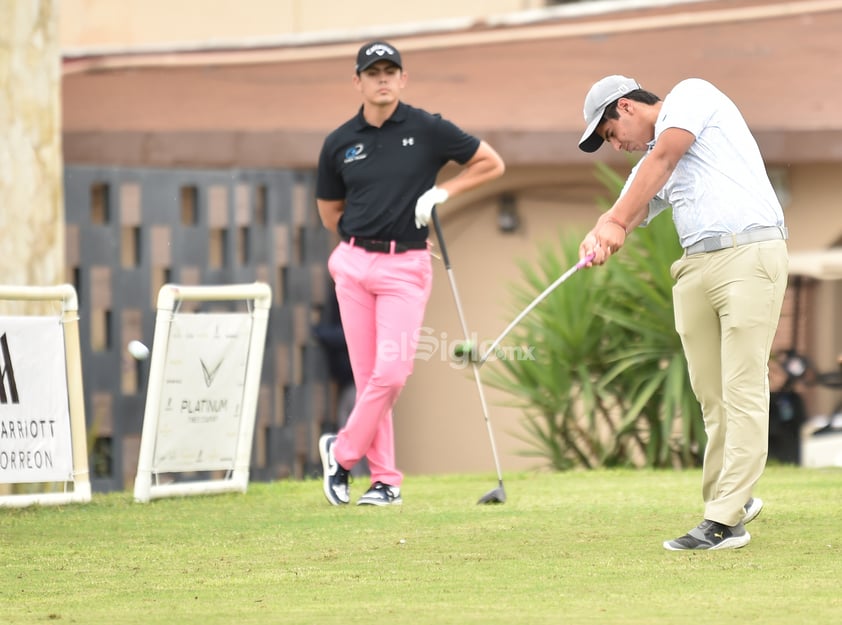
(138, 350)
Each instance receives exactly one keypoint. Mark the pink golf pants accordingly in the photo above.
(381, 298)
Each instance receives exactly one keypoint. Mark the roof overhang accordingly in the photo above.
(818, 264)
(520, 87)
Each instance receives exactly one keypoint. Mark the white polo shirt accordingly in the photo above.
(720, 185)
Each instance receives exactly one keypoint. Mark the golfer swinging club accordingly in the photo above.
(701, 159)
(377, 187)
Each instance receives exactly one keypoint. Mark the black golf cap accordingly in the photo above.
(375, 51)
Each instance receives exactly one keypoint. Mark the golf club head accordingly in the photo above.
(498, 495)
(466, 351)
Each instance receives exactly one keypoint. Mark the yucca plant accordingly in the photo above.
(557, 385)
(608, 385)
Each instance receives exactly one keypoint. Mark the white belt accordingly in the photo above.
(723, 241)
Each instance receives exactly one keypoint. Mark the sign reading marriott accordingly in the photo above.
(35, 444)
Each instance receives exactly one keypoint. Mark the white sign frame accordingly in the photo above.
(77, 487)
(171, 376)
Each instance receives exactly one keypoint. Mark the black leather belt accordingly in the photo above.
(385, 247)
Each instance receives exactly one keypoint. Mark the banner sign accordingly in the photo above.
(202, 392)
(35, 444)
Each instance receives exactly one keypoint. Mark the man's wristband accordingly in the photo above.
(617, 222)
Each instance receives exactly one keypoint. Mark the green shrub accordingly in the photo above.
(608, 385)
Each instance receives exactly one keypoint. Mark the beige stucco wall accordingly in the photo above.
(439, 422)
(814, 207)
(815, 219)
(31, 200)
(131, 23)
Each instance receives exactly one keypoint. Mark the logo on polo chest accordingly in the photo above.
(408, 141)
(355, 153)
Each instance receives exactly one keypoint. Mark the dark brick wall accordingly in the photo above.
(129, 231)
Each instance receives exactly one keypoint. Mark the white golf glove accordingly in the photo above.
(425, 204)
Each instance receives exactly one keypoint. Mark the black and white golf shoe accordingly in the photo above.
(381, 494)
(710, 535)
(335, 477)
(752, 509)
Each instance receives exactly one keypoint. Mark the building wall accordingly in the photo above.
(132, 23)
(130, 231)
(439, 424)
(815, 224)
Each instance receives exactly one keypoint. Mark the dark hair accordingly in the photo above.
(638, 95)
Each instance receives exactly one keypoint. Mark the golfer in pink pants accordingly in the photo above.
(377, 188)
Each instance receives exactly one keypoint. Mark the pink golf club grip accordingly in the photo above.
(585, 260)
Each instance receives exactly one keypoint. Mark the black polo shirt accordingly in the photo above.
(381, 172)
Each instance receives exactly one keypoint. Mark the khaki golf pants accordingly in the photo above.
(727, 306)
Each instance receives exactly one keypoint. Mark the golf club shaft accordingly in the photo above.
(477, 379)
(461, 315)
(440, 237)
(533, 304)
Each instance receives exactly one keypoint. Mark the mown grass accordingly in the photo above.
(566, 548)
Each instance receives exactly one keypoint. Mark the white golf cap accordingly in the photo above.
(604, 92)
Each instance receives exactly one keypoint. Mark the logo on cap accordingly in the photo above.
(374, 51)
(379, 49)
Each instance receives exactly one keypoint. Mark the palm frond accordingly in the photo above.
(608, 383)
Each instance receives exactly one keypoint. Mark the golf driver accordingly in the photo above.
(497, 495)
(559, 281)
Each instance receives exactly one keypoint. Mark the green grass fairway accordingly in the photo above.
(580, 547)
